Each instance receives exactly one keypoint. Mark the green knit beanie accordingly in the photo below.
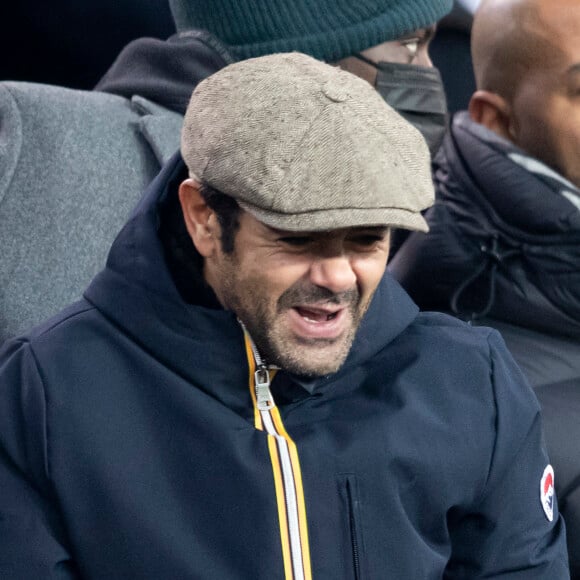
(325, 29)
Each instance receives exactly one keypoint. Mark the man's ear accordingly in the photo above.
(492, 111)
(200, 219)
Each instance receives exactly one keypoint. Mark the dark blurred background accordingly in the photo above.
(73, 42)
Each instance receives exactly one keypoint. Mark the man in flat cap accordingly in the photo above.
(242, 393)
(94, 152)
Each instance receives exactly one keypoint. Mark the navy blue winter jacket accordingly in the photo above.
(131, 448)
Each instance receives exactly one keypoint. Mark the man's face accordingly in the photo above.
(546, 105)
(300, 295)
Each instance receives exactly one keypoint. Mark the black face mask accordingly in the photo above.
(417, 94)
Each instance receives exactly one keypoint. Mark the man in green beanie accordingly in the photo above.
(385, 42)
(79, 153)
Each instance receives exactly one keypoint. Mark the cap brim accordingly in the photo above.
(335, 219)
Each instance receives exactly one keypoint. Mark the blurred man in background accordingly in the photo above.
(504, 245)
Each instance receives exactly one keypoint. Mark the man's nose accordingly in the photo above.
(334, 273)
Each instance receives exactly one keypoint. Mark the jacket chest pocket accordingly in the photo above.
(352, 525)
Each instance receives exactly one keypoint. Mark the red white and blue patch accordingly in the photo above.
(547, 493)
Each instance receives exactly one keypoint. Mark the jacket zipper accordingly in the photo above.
(264, 398)
(353, 530)
(286, 469)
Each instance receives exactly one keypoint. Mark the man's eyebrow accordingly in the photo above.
(574, 69)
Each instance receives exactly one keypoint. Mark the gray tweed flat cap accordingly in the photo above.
(305, 146)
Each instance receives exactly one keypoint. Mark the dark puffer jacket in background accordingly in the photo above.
(504, 251)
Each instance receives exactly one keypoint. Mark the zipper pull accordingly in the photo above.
(264, 398)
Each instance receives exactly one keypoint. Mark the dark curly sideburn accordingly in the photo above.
(227, 211)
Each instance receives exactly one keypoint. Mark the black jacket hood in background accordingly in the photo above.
(165, 71)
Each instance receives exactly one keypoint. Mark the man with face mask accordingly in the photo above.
(403, 74)
(70, 150)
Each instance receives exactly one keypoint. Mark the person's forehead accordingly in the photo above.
(557, 25)
(563, 15)
(537, 54)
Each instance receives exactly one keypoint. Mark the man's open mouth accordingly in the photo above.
(326, 322)
(316, 315)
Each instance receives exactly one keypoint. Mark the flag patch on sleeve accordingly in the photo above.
(547, 493)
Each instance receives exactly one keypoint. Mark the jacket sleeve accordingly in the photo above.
(509, 534)
(560, 408)
(32, 534)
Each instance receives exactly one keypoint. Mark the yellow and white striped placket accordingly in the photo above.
(285, 467)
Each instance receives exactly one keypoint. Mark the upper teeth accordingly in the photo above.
(317, 316)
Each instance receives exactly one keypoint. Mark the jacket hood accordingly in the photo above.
(137, 293)
(504, 240)
(165, 71)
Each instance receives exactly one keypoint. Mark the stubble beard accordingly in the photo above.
(276, 343)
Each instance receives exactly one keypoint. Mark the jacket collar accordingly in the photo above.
(527, 196)
(508, 240)
(160, 127)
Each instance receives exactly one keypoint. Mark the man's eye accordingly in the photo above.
(296, 241)
(367, 240)
(412, 43)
